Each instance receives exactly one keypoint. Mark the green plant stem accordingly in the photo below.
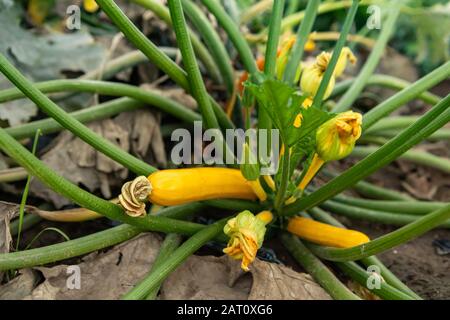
(294, 19)
(197, 87)
(392, 122)
(255, 10)
(292, 7)
(170, 244)
(155, 55)
(284, 181)
(391, 218)
(415, 156)
(123, 62)
(407, 207)
(301, 39)
(336, 289)
(388, 241)
(163, 270)
(213, 42)
(372, 61)
(196, 83)
(290, 21)
(384, 81)
(202, 52)
(109, 149)
(318, 98)
(434, 119)
(270, 60)
(385, 291)
(442, 134)
(372, 191)
(83, 198)
(86, 244)
(234, 33)
(388, 106)
(23, 201)
(101, 111)
(151, 97)
(387, 275)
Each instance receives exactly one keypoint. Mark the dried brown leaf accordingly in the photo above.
(103, 275)
(221, 278)
(137, 132)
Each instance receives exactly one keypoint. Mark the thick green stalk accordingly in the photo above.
(213, 42)
(302, 37)
(234, 33)
(372, 191)
(83, 198)
(336, 289)
(392, 122)
(202, 52)
(384, 81)
(270, 61)
(163, 270)
(26, 189)
(197, 87)
(284, 181)
(434, 119)
(387, 275)
(369, 67)
(48, 106)
(293, 6)
(388, 241)
(256, 9)
(415, 156)
(150, 97)
(385, 217)
(155, 55)
(86, 244)
(123, 62)
(170, 244)
(407, 94)
(101, 111)
(442, 134)
(385, 291)
(290, 21)
(318, 98)
(407, 207)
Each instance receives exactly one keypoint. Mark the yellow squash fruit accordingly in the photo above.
(325, 234)
(178, 186)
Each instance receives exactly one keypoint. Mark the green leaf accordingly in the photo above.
(283, 103)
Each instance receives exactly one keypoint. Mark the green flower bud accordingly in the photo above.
(335, 139)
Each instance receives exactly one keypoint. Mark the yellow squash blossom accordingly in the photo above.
(335, 139)
(246, 232)
(346, 55)
(312, 76)
(284, 53)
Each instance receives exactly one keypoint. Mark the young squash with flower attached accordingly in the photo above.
(325, 234)
(246, 232)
